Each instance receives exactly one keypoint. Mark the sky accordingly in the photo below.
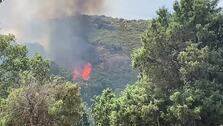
(136, 9)
(221, 3)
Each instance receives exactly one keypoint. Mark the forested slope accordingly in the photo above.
(113, 39)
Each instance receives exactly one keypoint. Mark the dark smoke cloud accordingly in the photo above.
(69, 44)
(56, 24)
(60, 8)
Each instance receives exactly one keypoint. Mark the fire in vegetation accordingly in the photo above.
(61, 26)
(84, 73)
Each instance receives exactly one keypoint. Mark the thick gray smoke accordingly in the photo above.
(69, 44)
(56, 24)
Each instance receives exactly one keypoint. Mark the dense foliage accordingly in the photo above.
(30, 96)
(117, 34)
(180, 64)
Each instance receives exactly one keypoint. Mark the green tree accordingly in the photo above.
(201, 93)
(29, 96)
(67, 107)
(103, 107)
(16, 66)
(54, 104)
(134, 106)
(13, 60)
(180, 70)
(180, 60)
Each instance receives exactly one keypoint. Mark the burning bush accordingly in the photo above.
(84, 73)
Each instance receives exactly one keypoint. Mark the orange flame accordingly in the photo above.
(84, 74)
(87, 71)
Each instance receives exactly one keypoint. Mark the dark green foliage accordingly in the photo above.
(30, 96)
(54, 104)
(13, 60)
(180, 65)
(119, 34)
(101, 111)
(133, 107)
(15, 65)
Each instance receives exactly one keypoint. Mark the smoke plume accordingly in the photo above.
(57, 24)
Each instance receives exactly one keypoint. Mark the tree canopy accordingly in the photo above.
(29, 95)
(180, 64)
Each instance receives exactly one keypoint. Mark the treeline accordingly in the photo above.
(180, 66)
(29, 96)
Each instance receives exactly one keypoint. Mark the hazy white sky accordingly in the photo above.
(138, 9)
(221, 3)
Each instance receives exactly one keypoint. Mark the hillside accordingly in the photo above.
(103, 71)
(113, 39)
(117, 33)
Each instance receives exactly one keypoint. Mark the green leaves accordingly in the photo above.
(104, 105)
(51, 104)
(39, 68)
(29, 96)
(181, 59)
(16, 67)
(132, 108)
